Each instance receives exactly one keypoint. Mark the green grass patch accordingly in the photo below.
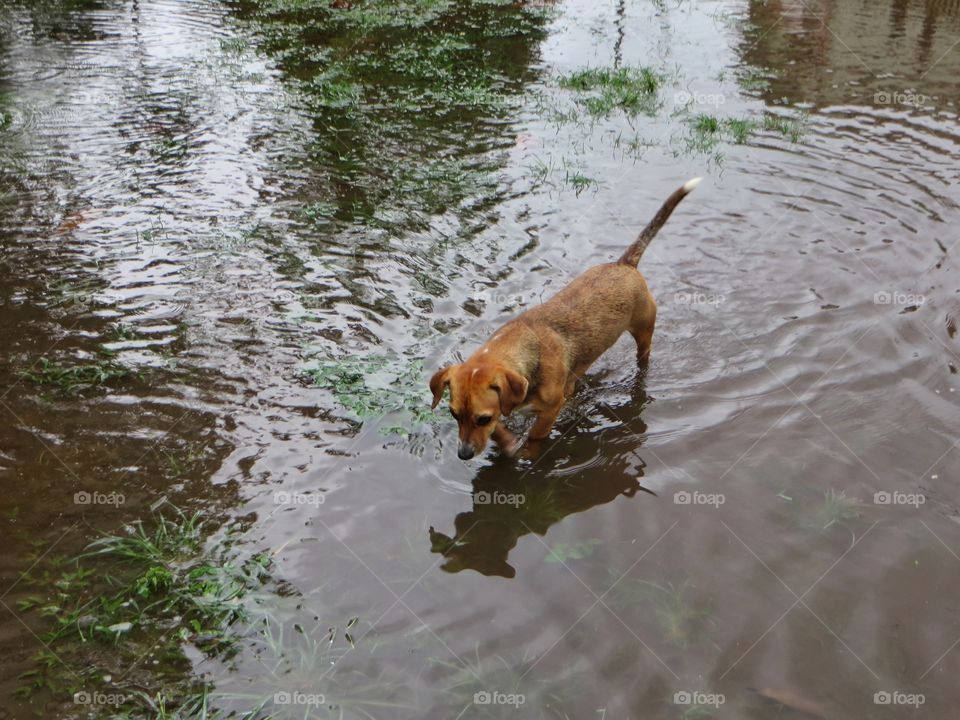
(683, 618)
(835, 508)
(374, 386)
(134, 614)
(601, 91)
(790, 128)
(706, 132)
(385, 15)
(330, 92)
(155, 586)
(563, 552)
(73, 379)
(568, 175)
(754, 79)
(414, 81)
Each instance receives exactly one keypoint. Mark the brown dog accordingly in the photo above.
(535, 359)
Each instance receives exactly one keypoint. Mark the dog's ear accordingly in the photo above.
(512, 389)
(439, 381)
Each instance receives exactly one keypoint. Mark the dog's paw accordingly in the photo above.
(530, 449)
(512, 448)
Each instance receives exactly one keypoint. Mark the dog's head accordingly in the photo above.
(479, 395)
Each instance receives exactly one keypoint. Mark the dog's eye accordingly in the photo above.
(484, 420)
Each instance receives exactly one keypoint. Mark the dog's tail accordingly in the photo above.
(633, 253)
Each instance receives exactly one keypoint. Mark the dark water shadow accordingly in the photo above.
(583, 468)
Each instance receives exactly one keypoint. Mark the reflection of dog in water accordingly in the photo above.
(507, 507)
(484, 536)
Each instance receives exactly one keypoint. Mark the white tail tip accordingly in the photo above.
(691, 184)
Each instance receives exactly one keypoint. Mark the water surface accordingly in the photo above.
(279, 220)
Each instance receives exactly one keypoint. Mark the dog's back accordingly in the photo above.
(593, 311)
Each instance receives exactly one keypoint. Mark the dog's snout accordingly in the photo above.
(465, 451)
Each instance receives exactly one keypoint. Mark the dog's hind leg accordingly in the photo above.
(644, 340)
(643, 333)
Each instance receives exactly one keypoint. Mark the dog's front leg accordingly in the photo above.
(541, 430)
(506, 440)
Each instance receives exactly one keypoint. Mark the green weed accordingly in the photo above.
(790, 128)
(680, 616)
(836, 508)
(374, 385)
(152, 585)
(194, 706)
(471, 675)
(740, 130)
(754, 79)
(564, 552)
(75, 378)
(707, 132)
(602, 90)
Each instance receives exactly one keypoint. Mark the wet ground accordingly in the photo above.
(237, 239)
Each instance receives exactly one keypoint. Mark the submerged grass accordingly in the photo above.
(683, 619)
(374, 386)
(601, 91)
(197, 706)
(73, 379)
(166, 591)
(467, 678)
(563, 552)
(707, 132)
(154, 586)
(835, 508)
(400, 80)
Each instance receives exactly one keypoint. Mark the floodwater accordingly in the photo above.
(273, 220)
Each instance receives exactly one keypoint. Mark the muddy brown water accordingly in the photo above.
(768, 517)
